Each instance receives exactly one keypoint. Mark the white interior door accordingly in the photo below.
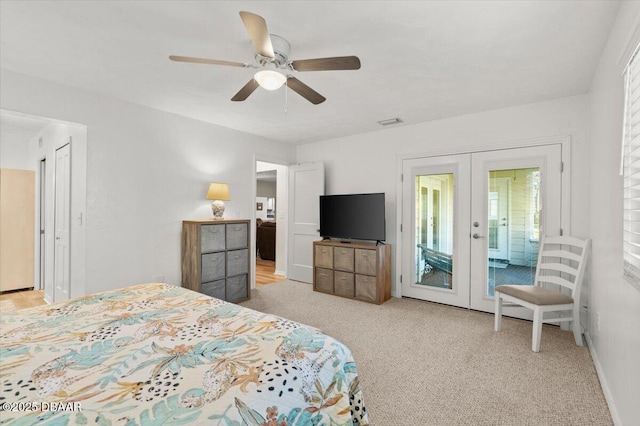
(61, 223)
(473, 221)
(306, 185)
(42, 223)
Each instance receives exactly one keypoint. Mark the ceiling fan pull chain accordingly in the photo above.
(286, 96)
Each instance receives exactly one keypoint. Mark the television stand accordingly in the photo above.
(354, 270)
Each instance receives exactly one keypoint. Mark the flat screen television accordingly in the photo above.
(353, 216)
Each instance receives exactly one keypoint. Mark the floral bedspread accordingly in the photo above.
(157, 354)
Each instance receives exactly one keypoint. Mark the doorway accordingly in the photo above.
(270, 219)
(34, 143)
(473, 221)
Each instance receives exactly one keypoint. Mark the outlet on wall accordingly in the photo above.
(598, 321)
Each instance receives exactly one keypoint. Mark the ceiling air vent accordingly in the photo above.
(390, 121)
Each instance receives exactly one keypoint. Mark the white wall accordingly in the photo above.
(14, 149)
(368, 162)
(266, 189)
(147, 170)
(615, 342)
(261, 214)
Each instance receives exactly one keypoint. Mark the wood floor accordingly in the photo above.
(265, 272)
(16, 300)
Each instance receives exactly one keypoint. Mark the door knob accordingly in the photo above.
(477, 236)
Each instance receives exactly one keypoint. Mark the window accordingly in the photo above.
(631, 171)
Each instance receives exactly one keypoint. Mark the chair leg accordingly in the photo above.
(498, 312)
(537, 330)
(577, 333)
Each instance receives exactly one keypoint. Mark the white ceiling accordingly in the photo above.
(421, 60)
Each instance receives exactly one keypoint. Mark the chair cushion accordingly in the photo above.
(535, 295)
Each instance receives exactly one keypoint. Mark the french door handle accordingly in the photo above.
(477, 236)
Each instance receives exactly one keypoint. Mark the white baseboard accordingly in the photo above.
(603, 381)
(280, 273)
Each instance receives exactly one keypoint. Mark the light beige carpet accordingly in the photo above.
(422, 363)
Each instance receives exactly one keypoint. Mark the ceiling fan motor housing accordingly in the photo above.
(281, 49)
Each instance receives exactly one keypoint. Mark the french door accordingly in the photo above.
(473, 221)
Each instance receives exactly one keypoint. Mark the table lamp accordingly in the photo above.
(218, 192)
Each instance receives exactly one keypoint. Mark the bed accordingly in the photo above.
(160, 354)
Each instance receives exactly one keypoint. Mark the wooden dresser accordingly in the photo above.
(215, 258)
(355, 270)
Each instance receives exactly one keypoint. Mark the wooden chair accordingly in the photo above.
(559, 266)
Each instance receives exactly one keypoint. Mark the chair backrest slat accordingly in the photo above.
(564, 254)
(553, 279)
(566, 241)
(559, 267)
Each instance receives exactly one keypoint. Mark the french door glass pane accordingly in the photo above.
(434, 230)
(513, 227)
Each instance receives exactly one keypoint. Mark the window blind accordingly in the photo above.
(631, 172)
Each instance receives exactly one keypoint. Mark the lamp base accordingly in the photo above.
(217, 207)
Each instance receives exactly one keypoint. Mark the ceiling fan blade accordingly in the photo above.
(326, 64)
(246, 90)
(257, 28)
(305, 91)
(206, 61)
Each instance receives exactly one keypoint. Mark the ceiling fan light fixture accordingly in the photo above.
(269, 79)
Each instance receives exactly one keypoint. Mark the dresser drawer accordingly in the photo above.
(343, 283)
(324, 280)
(324, 257)
(237, 289)
(343, 259)
(237, 236)
(365, 261)
(237, 262)
(212, 238)
(213, 289)
(366, 288)
(212, 267)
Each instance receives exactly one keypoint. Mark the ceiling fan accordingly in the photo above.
(272, 61)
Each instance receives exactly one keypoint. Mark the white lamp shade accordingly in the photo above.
(218, 191)
(270, 80)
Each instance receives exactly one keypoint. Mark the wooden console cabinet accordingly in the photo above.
(355, 270)
(215, 258)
